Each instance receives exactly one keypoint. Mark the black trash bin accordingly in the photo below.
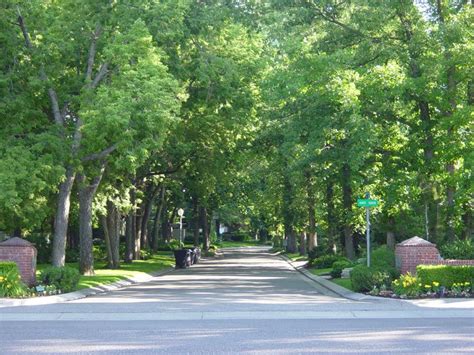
(182, 258)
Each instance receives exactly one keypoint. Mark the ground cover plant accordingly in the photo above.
(10, 281)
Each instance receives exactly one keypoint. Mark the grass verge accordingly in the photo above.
(103, 276)
(320, 272)
(346, 283)
(296, 256)
(231, 244)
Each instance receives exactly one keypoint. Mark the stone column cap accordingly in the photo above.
(16, 242)
(416, 242)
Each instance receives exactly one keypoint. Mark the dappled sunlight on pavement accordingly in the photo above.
(247, 280)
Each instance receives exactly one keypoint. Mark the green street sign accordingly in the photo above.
(367, 202)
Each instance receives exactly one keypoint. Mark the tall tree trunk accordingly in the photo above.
(62, 219)
(111, 224)
(468, 221)
(135, 229)
(86, 197)
(147, 205)
(114, 221)
(391, 233)
(167, 223)
(291, 246)
(130, 230)
(312, 235)
(156, 220)
(196, 221)
(138, 233)
(205, 228)
(218, 228)
(105, 227)
(263, 235)
(303, 243)
(347, 202)
(330, 213)
(288, 216)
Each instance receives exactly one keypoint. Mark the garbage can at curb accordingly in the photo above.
(182, 258)
(196, 254)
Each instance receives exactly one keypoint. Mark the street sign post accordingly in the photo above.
(367, 203)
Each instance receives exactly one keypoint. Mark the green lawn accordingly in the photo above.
(320, 272)
(344, 283)
(230, 244)
(296, 256)
(103, 276)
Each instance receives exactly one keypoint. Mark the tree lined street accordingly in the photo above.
(249, 301)
(331, 131)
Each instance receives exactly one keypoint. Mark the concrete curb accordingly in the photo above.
(76, 295)
(331, 286)
(458, 303)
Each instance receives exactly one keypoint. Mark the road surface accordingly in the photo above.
(248, 301)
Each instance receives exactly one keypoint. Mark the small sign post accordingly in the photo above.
(367, 203)
(180, 214)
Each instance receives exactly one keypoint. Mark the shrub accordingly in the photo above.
(239, 237)
(209, 253)
(338, 266)
(145, 254)
(458, 249)
(162, 246)
(64, 278)
(99, 252)
(446, 275)
(365, 279)
(175, 245)
(408, 285)
(72, 255)
(325, 261)
(43, 246)
(383, 257)
(10, 280)
(318, 251)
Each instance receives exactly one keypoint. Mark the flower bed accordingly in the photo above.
(431, 282)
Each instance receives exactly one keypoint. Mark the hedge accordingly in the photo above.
(325, 261)
(446, 275)
(340, 265)
(364, 278)
(64, 278)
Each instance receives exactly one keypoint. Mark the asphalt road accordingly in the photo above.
(247, 302)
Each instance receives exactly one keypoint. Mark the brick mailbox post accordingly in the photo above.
(24, 254)
(413, 252)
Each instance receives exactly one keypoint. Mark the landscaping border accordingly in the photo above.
(76, 295)
(331, 286)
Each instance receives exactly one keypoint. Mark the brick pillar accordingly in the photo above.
(413, 252)
(23, 253)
